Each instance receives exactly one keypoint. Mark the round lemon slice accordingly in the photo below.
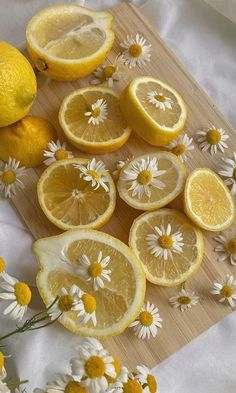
(169, 246)
(67, 41)
(207, 200)
(153, 109)
(69, 201)
(151, 181)
(115, 305)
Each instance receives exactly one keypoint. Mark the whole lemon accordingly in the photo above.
(17, 85)
(26, 140)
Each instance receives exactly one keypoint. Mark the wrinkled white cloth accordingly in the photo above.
(205, 41)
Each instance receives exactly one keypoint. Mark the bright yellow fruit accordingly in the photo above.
(68, 42)
(69, 201)
(107, 136)
(26, 140)
(158, 122)
(178, 266)
(116, 304)
(207, 200)
(17, 85)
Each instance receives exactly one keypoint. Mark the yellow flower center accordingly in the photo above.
(132, 386)
(184, 300)
(90, 303)
(95, 367)
(227, 291)
(144, 177)
(178, 149)
(74, 387)
(165, 241)
(135, 50)
(213, 137)
(234, 174)
(65, 303)
(117, 366)
(108, 71)
(2, 360)
(8, 177)
(145, 318)
(2, 265)
(94, 174)
(95, 269)
(61, 154)
(23, 293)
(160, 98)
(96, 112)
(152, 383)
(231, 246)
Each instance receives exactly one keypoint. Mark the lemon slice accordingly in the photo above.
(116, 304)
(207, 200)
(154, 110)
(71, 202)
(151, 181)
(67, 41)
(168, 245)
(92, 120)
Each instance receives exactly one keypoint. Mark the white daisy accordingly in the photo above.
(226, 289)
(4, 388)
(95, 272)
(229, 171)
(184, 300)
(3, 373)
(20, 295)
(10, 177)
(98, 112)
(226, 247)
(148, 322)
(181, 147)
(136, 51)
(159, 100)
(147, 380)
(212, 139)
(163, 243)
(142, 176)
(3, 273)
(64, 383)
(87, 308)
(119, 165)
(56, 151)
(94, 172)
(108, 74)
(67, 302)
(93, 364)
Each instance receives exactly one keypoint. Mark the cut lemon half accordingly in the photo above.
(91, 119)
(169, 246)
(69, 201)
(207, 200)
(154, 110)
(67, 41)
(116, 304)
(151, 181)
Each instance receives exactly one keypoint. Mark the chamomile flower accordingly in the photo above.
(108, 74)
(4, 388)
(122, 373)
(147, 380)
(148, 322)
(163, 243)
(67, 302)
(226, 289)
(212, 139)
(10, 177)
(95, 272)
(65, 383)
(94, 172)
(56, 151)
(136, 51)
(181, 147)
(159, 100)
(17, 292)
(226, 247)
(87, 308)
(98, 112)
(119, 165)
(3, 373)
(184, 300)
(3, 272)
(229, 172)
(142, 176)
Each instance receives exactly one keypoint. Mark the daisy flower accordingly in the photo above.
(181, 147)
(142, 176)
(98, 112)
(162, 243)
(122, 374)
(148, 322)
(87, 308)
(56, 151)
(212, 139)
(10, 177)
(147, 380)
(94, 172)
(3, 273)
(229, 172)
(3, 373)
(184, 300)
(226, 289)
(64, 383)
(136, 51)
(95, 272)
(159, 100)
(17, 292)
(4, 388)
(92, 365)
(67, 302)
(108, 74)
(119, 165)
(226, 247)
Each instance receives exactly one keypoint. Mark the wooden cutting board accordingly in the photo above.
(178, 328)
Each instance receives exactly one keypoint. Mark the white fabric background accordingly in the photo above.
(205, 41)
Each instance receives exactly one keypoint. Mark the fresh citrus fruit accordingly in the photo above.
(70, 200)
(92, 120)
(169, 246)
(17, 85)
(117, 305)
(67, 41)
(151, 181)
(26, 140)
(154, 110)
(207, 200)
